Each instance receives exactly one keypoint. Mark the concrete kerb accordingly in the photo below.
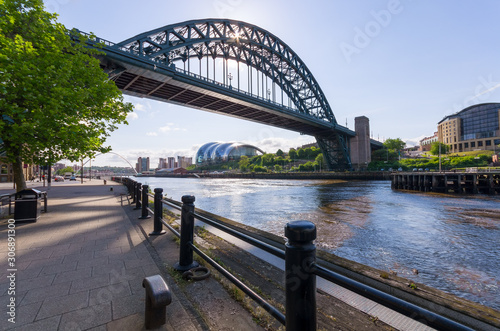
(81, 265)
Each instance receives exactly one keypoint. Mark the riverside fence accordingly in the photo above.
(301, 267)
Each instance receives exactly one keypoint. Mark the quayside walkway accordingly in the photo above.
(81, 266)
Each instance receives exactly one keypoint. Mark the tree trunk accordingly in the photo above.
(18, 174)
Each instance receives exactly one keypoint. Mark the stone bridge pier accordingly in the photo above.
(360, 144)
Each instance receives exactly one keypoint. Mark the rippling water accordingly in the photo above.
(453, 241)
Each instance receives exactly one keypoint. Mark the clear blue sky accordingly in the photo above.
(403, 64)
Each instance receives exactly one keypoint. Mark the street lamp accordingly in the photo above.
(439, 156)
(230, 77)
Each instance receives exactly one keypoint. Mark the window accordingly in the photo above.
(479, 144)
(472, 144)
(488, 142)
(466, 145)
(3, 170)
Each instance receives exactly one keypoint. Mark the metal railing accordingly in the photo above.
(301, 267)
(7, 199)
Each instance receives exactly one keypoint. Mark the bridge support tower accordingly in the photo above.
(360, 145)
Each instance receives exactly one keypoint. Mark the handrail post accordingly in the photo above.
(300, 281)
(158, 213)
(145, 203)
(187, 234)
(131, 190)
(138, 195)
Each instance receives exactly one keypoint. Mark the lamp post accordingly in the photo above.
(230, 77)
(439, 156)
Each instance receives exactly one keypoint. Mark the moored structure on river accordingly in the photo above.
(448, 182)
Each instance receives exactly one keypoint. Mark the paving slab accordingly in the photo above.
(81, 265)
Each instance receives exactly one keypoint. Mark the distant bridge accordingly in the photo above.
(192, 64)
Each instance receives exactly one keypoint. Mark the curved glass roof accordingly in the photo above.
(214, 152)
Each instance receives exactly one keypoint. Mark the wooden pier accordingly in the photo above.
(447, 182)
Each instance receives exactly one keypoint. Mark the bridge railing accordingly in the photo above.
(108, 43)
(301, 266)
(232, 88)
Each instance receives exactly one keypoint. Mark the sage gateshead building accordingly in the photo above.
(474, 128)
(222, 152)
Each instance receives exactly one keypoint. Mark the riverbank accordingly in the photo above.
(219, 301)
(472, 314)
(480, 316)
(368, 175)
(368, 222)
(81, 265)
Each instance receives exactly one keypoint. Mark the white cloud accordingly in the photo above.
(151, 134)
(133, 154)
(140, 107)
(165, 128)
(413, 141)
(132, 116)
(272, 144)
(170, 127)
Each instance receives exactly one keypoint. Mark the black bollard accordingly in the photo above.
(45, 201)
(300, 255)
(187, 233)
(158, 213)
(137, 196)
(158, 296)
(145, 203)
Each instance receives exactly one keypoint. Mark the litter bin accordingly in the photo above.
(28, 204)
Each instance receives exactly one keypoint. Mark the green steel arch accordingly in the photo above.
(239, 41)
(244, 43)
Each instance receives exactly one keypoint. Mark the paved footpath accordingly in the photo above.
(81, 266)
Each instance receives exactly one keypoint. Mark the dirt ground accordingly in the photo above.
(268, 281)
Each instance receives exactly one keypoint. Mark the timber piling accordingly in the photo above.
(448, 182)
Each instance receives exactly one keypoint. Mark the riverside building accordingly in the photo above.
(142, 164)
(223, 152)
(474, 128)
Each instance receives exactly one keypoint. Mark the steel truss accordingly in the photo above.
(255, 47)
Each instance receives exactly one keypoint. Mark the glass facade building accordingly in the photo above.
(475, 128)
(222, 152)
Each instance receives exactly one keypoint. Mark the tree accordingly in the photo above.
(320, 161)
(279, 152)
(435, 148)
(267, 160)
(313, 152)
(292, 154)
(395, 144)
(301, 153)
(67, 169)
(55, 101)
(244, 163)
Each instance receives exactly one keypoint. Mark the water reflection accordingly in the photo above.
(453, 241)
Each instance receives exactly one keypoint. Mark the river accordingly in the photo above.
(453, 241)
